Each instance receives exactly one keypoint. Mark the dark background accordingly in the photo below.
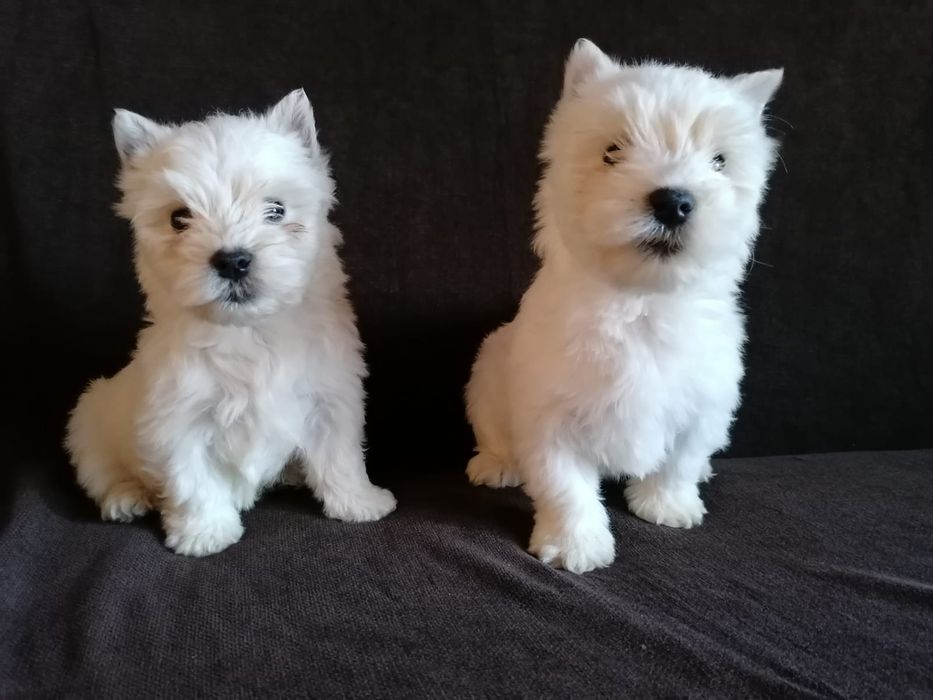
(432, 112)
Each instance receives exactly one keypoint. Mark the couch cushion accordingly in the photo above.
(811, 576)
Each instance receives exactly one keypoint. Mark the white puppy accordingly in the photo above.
(251, 357)
(625, 357)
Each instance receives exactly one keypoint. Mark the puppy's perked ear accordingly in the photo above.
(134, 134)
(293, 115)
(758, 87)
(586, 61)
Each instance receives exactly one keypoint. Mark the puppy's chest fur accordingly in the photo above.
(237, 385)
(642, 370)
(243, 380)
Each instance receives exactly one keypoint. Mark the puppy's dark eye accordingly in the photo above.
(180, 219)
(719, 162)
(274, 212)
(612, 154)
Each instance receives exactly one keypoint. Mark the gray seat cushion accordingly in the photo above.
(811, 576)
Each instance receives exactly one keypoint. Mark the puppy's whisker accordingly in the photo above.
(770, 117)
(783, 164)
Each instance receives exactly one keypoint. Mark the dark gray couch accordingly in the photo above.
(812, 576)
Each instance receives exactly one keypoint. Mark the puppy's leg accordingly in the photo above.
(571, 524)
(265, 464)
(487, 412)
(96, 431)
(671, 495)
(199, 511)
(335, 470)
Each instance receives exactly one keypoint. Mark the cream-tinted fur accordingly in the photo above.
(621, 362)
(221, 394)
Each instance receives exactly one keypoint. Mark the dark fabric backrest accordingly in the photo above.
(432, 112)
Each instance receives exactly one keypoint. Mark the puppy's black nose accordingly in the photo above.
(671, 207)
(231, 264)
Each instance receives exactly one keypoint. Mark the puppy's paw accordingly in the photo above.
(124, 502)
(577, 547)
(203, 537)
(678, 506)
(362, 505)
(486, 470)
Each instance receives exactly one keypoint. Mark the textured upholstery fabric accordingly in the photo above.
(810, 577)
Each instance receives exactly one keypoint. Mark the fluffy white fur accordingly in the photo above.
(624, 362)
(231, 380)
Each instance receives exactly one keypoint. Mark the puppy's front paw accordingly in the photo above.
(486, 470)
(577, 547)
(125, 502)
(202, 537)
(361, 505)
(678, 506)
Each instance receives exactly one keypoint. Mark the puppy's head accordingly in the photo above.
(654, 173)
(229, 213)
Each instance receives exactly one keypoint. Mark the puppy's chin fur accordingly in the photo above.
(246, 366)
(625, 357)
(224, 313)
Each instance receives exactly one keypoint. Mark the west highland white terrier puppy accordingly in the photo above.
(626, 354)
(251, 358)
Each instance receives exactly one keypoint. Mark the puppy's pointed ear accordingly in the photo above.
(134, 134)
(293, 115)
(759, 88)
(586, 61)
